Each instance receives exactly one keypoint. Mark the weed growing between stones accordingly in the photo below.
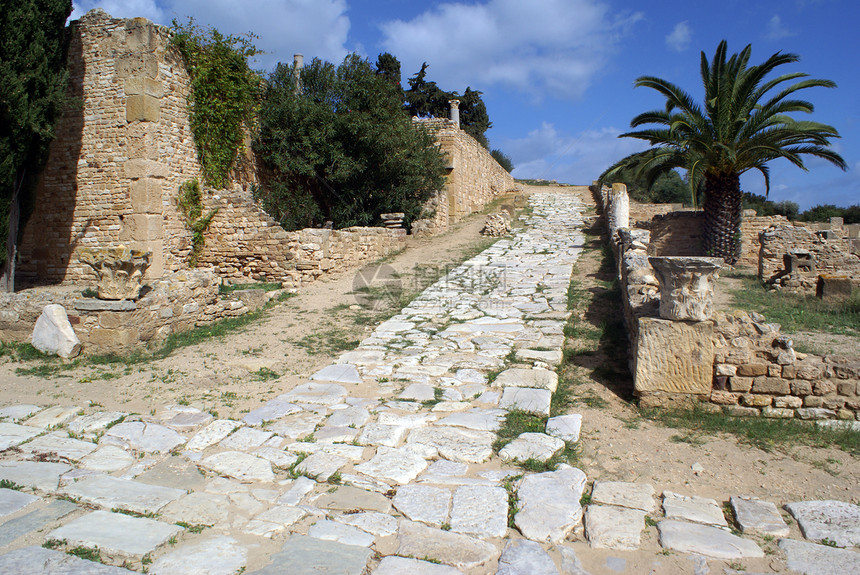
(7, 484)
(509, 484)
(86, 553)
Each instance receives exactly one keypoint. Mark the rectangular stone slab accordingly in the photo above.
(38, 519)
(115, 533)
(39, 561)
(111, 492)
(674, 356)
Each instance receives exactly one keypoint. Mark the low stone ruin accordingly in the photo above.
(497, 225)
(682, 351)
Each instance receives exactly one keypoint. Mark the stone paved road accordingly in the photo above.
(328, 478)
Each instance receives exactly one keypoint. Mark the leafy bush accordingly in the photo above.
(339, 146)
(224, 95)
(824, 212)
(191, 206)
(503, 160)
(668, 188)
(765, 207)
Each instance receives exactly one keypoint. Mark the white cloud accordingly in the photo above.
(575, 159)
(776, 30)
(680, 38)
(315, 28)
(539, 47)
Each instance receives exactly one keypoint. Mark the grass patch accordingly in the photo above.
(517, 422)
(264, 374)
(331, 342)
(798, 312)
(760, 432)
(86, 553)
(6, 484)
(513, 498)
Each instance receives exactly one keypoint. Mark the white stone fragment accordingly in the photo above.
(565, 427)
(54, 335)
(757, 516)
(611, 527)
(527, 446)
(481, 511)
(630, 495)
(238, 465)
(705, 540)
(429, 505)
(549, 504)
(693, 508)
(212, 434)
(399, 465)
(345, 534)
(835, 521)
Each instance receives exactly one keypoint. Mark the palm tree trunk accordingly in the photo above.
(722, 231)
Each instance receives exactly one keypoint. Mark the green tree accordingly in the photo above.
(388, 67)
(224, 95)
(742, 126)
(343, 149)
(33, 83)
(503, 159)
(667, 188)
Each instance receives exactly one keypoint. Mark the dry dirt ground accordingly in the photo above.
(240, 370)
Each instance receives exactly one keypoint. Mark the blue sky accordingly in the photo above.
(557, 75)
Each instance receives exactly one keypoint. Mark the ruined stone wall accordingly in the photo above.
(474, 178)
(736, 362)
(832, 252)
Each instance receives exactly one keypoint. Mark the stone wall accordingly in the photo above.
(474, 178)
(735, 362)
(176, 302)
(830, 251)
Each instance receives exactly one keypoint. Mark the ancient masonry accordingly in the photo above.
(682, 351)
(119, 158)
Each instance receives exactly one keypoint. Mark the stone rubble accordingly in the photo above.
(404, 481)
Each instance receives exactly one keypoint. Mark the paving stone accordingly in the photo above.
(570, 563)
(418, 392)
(350, 452)
(12, 434)
(836, 521)
(321, 465)
(88, 424)
(693, 508)
(174, 472)
(270, 411)
(379, 524)
(245, 439)
(146, 437)
(534, 401)
(362, 357)
(59, 445)
(811, 559)
(199, 508)
(346, 534)
(551, 358)
(549, 504)
(115, 533)
(38, 519)
(527, 446)
(380, 434)
(346, 498)
(17, 412)
(303, 555)
(429, 505)
(456, 444)
(611, 527)
(297, 425)
(407, 420)
(12, 501)
(215, 556)
(188, 420)
(274, 520)
(300, 487)
(565, 427)
(479, 419)
(399, 465)
(757, 516)
(338, 373)
(460, 551)
(315, 393)
(212, 434)
(53, 416)
(705, 540)
(238, 465)
(524, 557)
(528, 377)
(631, 495)
(111, 492)
(40, 561)
(366, 483)
(481, 511)
(277, 457)
(44, 476)
(445, 467)
(335, 434)
(394, 565)
(351, 416)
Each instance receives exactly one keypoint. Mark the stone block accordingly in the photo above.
(787, 402)
(833, 403)
(146, 196)
(801, 388)
(846, 388)
(674, 357)
(777, 413)
(725, 369)
(774, 370)
(824, 387)
(142, 108)
(740, 384)
(137, 65)
(54, 335)
(772, 385)
(144, 86)
(739, 411)
(833, 287)
(813, 401)
(854, 246)
(752, 369)
(789, 372)
(137, 168)
(112, 337)
(752, 400)
(112, 319)
(141, 228)
(724, 398)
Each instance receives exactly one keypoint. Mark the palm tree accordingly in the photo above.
(742, 126)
